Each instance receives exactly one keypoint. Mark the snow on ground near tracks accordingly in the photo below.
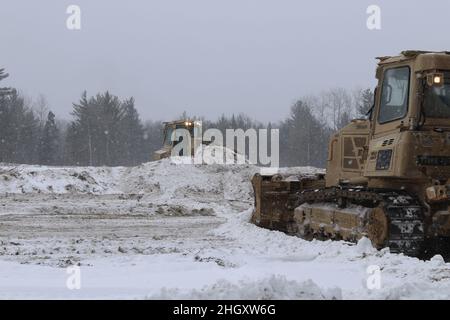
(163, 231)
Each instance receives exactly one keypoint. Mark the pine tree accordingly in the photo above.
(132, 134)
(105, 131)
(109, 140)
(48, 151)
(303, 138)
(4, 91)
(153, 137)
(19, 130)
(79, 140)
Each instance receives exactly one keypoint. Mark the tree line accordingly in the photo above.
(105, 130)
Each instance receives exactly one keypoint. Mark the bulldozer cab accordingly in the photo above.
(413, 92)
(170, 127)
(171, 137)
(406, 141)
(410, 130)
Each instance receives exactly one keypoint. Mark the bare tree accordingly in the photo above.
(41, 109)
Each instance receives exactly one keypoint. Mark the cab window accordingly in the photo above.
(168, 137)
(394, 95)
(437, 100)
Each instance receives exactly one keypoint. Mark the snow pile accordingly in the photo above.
(164, 179)
(154, 188)
(170, 180)
(222, 171)
(364, 246)
(213, 154)
(42, 179)
(271, 288)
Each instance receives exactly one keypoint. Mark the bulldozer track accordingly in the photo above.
(404, 213)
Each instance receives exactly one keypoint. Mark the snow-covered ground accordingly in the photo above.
(164, 231)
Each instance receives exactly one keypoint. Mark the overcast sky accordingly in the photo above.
(207, 56)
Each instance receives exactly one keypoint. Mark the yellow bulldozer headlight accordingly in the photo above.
(435, 79)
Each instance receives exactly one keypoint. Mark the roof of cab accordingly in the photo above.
(410, 55)
(422, 60)
(182, 121)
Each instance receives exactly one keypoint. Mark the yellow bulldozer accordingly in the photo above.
(171, 137)
(388, 176)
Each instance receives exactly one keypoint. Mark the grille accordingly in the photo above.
(433, 161)
(388, 142)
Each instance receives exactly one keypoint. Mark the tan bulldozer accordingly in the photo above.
(171, 137)
(387, 177)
